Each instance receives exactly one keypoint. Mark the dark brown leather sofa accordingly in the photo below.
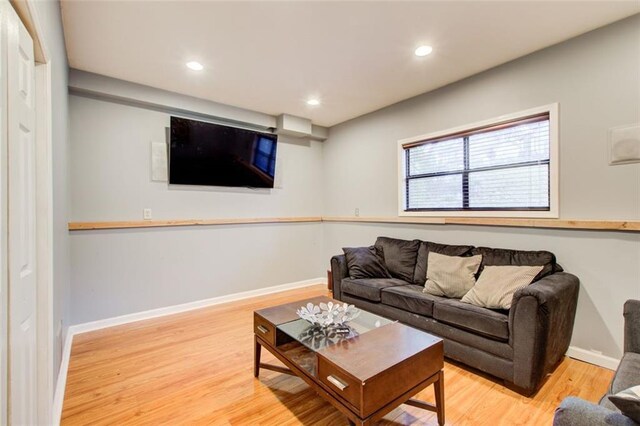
(520, 345)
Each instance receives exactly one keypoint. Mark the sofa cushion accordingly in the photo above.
(627, 374)
(369, 288)
(365, 262)
(410, 298)
(498, 257)
(399, 256)
(420, 273)
(494, 324)
(574, 411)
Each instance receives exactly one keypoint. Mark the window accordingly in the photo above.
(503, 167)
(264, 156)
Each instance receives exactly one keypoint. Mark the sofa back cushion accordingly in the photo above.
(420, 272)
(365, 262)
(501, 257)
(399, 256)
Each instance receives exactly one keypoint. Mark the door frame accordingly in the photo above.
(44, 244)
(4, 214)
(26, 11)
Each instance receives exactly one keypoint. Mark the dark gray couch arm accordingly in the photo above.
(632, 326)
(540, 326)
(578, 412)
(339, 271)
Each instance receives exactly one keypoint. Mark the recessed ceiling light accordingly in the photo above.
(423, 50)
(196, 66)
(313, 102)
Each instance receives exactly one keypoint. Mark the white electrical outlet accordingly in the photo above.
(357, 212)
(146, 214)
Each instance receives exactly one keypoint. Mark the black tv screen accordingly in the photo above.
(212, 154)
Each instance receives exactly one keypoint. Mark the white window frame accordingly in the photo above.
(554, 160)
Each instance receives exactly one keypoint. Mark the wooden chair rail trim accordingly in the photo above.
(602, 225)
(83, 226)
(592, 224)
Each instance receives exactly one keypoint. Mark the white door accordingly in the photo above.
(4, 286)
(22, 225)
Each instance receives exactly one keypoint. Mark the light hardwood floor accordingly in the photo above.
(197, 368)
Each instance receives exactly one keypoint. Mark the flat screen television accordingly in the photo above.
(215, 155)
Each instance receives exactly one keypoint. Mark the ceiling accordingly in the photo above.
(356, 57)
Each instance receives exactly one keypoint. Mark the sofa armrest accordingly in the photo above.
(541, 322)
(632, 326)
(339, 271)
(578, 412)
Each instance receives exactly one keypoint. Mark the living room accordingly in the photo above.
(152, 284)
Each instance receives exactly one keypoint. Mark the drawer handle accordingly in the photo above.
(337, 382)
(263, 330)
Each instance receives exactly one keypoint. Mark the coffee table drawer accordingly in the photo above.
(383, 364)
(342, 383)
(264, 329)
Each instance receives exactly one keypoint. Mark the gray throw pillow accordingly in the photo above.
(365, 262)
(628, 401)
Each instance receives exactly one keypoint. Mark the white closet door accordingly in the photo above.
(4, 299)
(22, 224)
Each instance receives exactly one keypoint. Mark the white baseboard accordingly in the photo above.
(168, 310)
(58, 396)
(593, 357)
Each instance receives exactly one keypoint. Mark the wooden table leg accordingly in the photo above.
(256, 357)
(439, 391)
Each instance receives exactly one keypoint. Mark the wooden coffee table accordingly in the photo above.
(366, 374)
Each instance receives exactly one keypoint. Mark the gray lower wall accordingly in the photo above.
(126, 271)
(48, 12)
(118, 272)
(596, 80)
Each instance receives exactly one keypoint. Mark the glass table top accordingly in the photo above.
(315, 337)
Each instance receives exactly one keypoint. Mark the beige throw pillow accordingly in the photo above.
(497, 284)
(451, 276)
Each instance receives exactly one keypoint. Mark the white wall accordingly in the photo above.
(48, 12)
(120, 272)
(596, 80)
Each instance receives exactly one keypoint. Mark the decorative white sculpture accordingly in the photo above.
(327, 314)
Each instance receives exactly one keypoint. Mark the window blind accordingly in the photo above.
(500, 167)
